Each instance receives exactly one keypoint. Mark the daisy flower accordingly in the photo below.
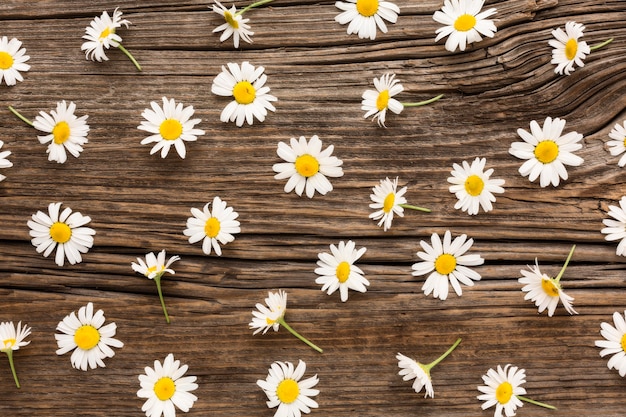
(12, 61)
(165, 387)
(544, 291)
(213, 227)
(307, 166)
(336, 270)
(13, 339)
(273, 316)
(616, 228)
(87, 337)
(568, 50)
(169, 125)
(617, 146)
(153, 268)
(100, 34)
(4, 162)
(365, 15)
(447, 261)
(614, 343)
(246, 85)
(65, 231)
(464, 23)
(387, 201)
(547, 152)
(411, 369)
(473, 186)
(235, 25)
(285, 389)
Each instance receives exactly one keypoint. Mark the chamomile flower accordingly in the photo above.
(547, 152)
(12, 61)
(614, 343)
(87, 336)
(11, 339)
(617, 146)
(285, 389)
(336, 270)
(64, 231)
(544, 291)
(4, 162)
(214, 226)
(447, 261)
(616, 227)
(568, 49)
(473, 186)
(365, 16)
(235, 25)
(165, 388)
(170, 125)
(246, 85)
(307, 166)
(464, 23)
(387, 201)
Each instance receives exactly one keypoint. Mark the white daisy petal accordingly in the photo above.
(616, 229)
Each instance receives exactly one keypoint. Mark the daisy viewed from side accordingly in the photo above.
(214, 227)
(337, 271)
(447, 261)
(464, 23)
(547, 152)
(88, 337)
(246, 85)
(616, 227)
(170, 125)
(12, 61)
(285, 389)
(614, 342)
(307, 166)
(65, 231)
(4, 162)
(165, 387)
(387, 201)
(235, 25)
(473, 186)
(365, 16)
(617, 146)
(11, 339)
(568, 50)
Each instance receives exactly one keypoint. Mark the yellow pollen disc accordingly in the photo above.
(307, 165)
(343, 271)
(388, 203)
(445, 263)
(230, 19)
(504, 392)
(86, 337)
(465, 22)
(60, 232)
(623, 342)
(61, 133)
(546, 151)
(164, 388)
(106, 32)
(287, 391)
(171, 129)
(382, 101)
(625, 142)
(367, 8)
(571, 47)
(8, 343)
(212, 227)
(244, 92)
(549, 287)
(474, 185)
(6, 60)
(269, 321)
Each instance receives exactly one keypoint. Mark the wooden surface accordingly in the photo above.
(139, 203)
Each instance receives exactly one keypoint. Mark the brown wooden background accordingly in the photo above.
(140, 203)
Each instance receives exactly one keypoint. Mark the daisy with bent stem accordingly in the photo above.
(273, 316)
(376, 102)
(336, 270)
(235, 25)
(473, 186)
(285, 389)
(411, 369)
(13, 339)
(464, 23)
(617, 146)
(569, 50)
(387, 201)
(12, 60)
(365, 16)
(614, 343)
(4, 162)
(616, 227)
(213, 227)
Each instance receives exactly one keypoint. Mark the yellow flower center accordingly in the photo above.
(571, 47)
(287, 391)
(367, 8)
(343, 271)
(6, 60)
(212, 227)
(269, 321)
(504, 392)
(549, 287)
(244, 92)
(623, 342)
(546, 151)
(465, 22)
(8, 343)
(474, 185)
(230, 19)
(388, 203)
(61, 133)
(106, 33)
(445, 263)
(164, 388)
(307, 165)
(171, 129)
(382, 101)
(60, 232)
(624, 141)
(86, 337)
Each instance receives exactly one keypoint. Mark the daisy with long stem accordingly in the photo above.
(13, 339)
(569, 50)
(388, 200)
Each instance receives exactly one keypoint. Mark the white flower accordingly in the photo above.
(307, 166)
(365, 15)
(464, 23)
(12, 60)
(336, 270)
(101, 34)
(65, 131)
(617, 146)
(387, 200)
(410, 369)
(502, 390)
(246, 85)
(86, 335)
(266, 318)
(447, 261)
(170, 125)
(377, 102)
(285, 390)
(568, 50)
(12, 338)
(473, 187)
(546, 151)
(213, 227)
(235, 26)
(4, 162)
(64, 231)
(165, 387)
(614, 343)
(616, 229)
(154, 265)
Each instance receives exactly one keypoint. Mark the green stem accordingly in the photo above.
(19, 116)
(442, 357)
(422, 103)
(408, 206)
(10, 355)
(250, 6)
(600, 45)
(296, 334)
(528, 400)
(157, 279)
(129, 55)
(558, 277)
